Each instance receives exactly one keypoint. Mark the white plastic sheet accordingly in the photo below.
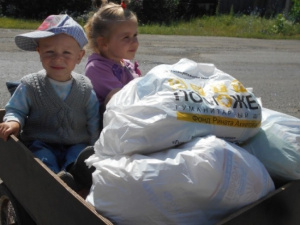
(277, 145)
(174, 103)
(198, 182)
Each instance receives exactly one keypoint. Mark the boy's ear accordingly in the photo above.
(38, 51)
(80, 55)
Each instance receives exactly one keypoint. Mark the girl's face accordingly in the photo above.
(59, 55)
(122, 43)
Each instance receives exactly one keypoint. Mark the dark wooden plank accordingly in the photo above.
(42, 194)
(49, 201)
(2, 112)
(280, 207)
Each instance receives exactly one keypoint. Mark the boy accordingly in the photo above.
(55, 111)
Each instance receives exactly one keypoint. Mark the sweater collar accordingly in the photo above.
(98, 57)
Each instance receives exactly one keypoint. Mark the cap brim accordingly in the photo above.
(28, 42)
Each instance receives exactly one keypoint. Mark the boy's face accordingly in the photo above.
(59, 55)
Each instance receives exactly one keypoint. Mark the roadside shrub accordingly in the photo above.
(188, 9)
(155, 11)
(35, 9)
(295, 11)
(137, 7)
(168, 11)
(281, 26)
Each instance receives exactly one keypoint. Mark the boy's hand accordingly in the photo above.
(8, 128)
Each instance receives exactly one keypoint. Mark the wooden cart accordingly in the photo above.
(30, 194)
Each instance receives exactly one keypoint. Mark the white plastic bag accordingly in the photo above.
(199, 182)
(172, 104)
(277, 145)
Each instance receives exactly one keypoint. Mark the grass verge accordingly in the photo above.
(11, 23)
(229, 26)
(223, 26)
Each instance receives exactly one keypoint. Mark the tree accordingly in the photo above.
(35, 9)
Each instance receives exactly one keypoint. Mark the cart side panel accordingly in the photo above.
(280, 207)
(50, 202)
(2, 112)
(43, 195)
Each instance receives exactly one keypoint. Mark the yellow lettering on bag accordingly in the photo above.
(221, 88)
(198, 89)
(224, 100)
(217, 120)
(176, 84)
(238, 87)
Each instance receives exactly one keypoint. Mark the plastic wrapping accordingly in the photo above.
(277, 145)
(172, 104)
(198, 182)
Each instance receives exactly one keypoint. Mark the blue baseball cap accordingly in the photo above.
(52, 25)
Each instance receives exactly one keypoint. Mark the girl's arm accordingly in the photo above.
(102, 78)
(110, 94)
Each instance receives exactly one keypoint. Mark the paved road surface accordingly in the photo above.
(271, 67)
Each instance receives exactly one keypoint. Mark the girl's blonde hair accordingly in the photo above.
(101, 23)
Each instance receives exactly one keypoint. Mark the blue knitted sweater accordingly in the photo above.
(53, 120)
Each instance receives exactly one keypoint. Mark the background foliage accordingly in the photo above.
(36, 9)
(163, 12)
(295, 11)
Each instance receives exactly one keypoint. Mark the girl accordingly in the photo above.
(112, 37)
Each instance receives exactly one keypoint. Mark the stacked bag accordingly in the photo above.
(198, 182)
(277, 145)
(180, 146)
(172, 104)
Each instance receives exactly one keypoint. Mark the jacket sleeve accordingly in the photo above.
(18, 107)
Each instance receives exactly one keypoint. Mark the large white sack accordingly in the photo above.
(277, 145)
(172, 104)
(199, 182)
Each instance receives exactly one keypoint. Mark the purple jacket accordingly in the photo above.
(106, 75)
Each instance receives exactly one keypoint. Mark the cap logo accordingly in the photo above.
(50, 21)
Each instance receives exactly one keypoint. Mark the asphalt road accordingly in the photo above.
(270, 67)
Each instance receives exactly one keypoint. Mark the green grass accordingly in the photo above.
(223, 25)
(11, 23)
(229, 26)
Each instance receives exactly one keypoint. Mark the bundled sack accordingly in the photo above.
(199, 182)
(174, 103)
(277, 145)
